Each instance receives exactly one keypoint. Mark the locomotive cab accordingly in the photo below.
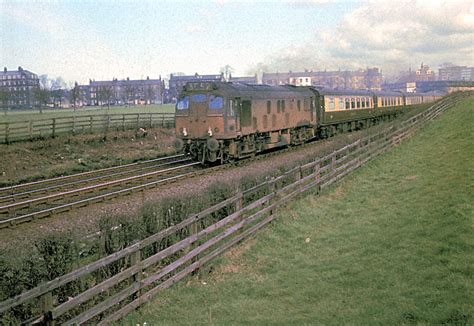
(204, 116)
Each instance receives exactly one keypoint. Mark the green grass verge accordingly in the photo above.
(390, 244)
(21, 115)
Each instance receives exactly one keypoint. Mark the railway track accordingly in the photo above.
(9, 195)
(44, 198)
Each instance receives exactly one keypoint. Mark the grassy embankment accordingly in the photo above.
(22, 115)
(390, 244)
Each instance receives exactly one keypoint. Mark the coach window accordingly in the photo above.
(331, 103)
(358, 103)
(269, 107)
(348, 103)
(278, 106)
(282, 105)
(298, 105)
(352, 103)
(363, 102)
(341, 103)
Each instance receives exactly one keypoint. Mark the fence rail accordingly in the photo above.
(166, 257)
(34, 129)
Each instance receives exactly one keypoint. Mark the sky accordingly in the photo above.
(105, 39)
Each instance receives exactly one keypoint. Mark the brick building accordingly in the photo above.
(424, 73)
(17, 88)
(177, 82)
(370, 78)
(122, 92)
(244, 79)
(456, 73)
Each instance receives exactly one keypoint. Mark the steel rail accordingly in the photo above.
(106, 185)
(76, 175)
(28, 194)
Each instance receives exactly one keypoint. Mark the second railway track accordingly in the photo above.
(45, 198)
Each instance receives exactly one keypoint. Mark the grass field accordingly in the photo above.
(22, 115)
(390, 244)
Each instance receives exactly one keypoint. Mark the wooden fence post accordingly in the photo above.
(136, 259)
(123, 122)
(138, 120)
(317, 175)
(91, 123)
(108, 122)
(30, 130)
(150, 120)
(74, 125)
(298, 173)
(7, 131)
(333, 162)
(46, 305)
(239, 204)
(162, 120)
(271, 188)
(359, 152)
(54, 128)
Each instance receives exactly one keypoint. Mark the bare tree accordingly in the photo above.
(105, 95)
(4, 99)
(74, 95)
(150, 94)
(130, 93)
(42, 96)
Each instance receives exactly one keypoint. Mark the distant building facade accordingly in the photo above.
(244, 79)
(424, 73)
(177, 82)
(123, 92)
(456, 73)
(370, 79)
(17, 88)
(444, 86)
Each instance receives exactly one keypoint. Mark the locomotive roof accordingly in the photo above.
(257, 90)
(284, 91)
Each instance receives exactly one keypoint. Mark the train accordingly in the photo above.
(219, 122)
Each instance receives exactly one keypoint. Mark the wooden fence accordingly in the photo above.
(137, 273)
(34, 129)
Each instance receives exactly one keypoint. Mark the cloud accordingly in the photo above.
(36, 18)
(304, 3)
(74, 54)
(389, 35)
(194, 28)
